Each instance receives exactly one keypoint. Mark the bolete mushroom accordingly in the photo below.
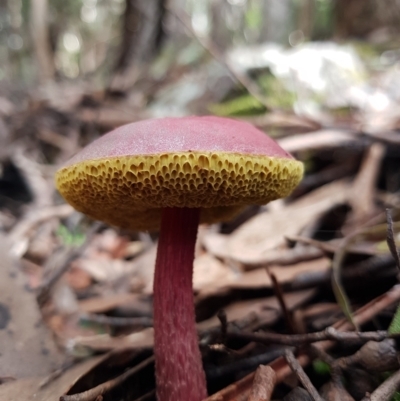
(171, 173)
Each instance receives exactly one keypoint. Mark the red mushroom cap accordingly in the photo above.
(184, 134)
(129, 175)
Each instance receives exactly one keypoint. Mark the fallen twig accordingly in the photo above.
(364, 185)
(390, 238)
(361, 316)
(248, 364)
(224, 324)
(281, 299)
(321, 139)
(117, 321)
(148, 396)
(386, 390)
(329, 333)
(297, 369)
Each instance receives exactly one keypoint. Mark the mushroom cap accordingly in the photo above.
(127, 176)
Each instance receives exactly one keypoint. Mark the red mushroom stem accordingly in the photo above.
(179, 371)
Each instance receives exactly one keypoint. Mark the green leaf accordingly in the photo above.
(321, 367)
(338, 290)
(374, 232)
(394, 327)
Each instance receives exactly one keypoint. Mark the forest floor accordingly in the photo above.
(294, 300)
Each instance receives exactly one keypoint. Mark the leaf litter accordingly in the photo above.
(74, 289)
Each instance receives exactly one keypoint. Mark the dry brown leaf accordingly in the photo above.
(258, 278)
(106, 342)
(133, 248)
(239, 390)
(27, 347)
(263, 384)
(216, 243)
(333, 392)
(209, 272)
(364, 186)
(143, 266)
(284, 274)
(109, 244)
(106, 303)
(255, 238)
(322, 139)
(29, 389)
(104, 270)
(266, 310)
(77, 278)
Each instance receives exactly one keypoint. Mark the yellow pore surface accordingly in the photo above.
(130, 191)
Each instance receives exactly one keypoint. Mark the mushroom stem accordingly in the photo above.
(179, 371)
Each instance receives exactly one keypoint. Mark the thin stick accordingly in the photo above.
(116, 321)
(281, 300)
(329, 333)
(148, 396)
(298, 370)
(390, 238)
(386, 390)
(362, 315)
(224, 324)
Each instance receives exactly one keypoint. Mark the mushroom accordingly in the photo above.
(173, 173)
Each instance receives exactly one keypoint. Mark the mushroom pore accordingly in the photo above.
(173, 173)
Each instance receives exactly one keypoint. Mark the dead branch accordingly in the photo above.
(329, 333)
(361, 316)
(116, 321)
(386, 390)
(364, 185)
(390, 238)
(297, 369)
(321, 139)
(281, 299)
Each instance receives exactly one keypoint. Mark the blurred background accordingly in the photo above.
(177, 57)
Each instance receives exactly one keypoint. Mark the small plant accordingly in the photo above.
(70, 238)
